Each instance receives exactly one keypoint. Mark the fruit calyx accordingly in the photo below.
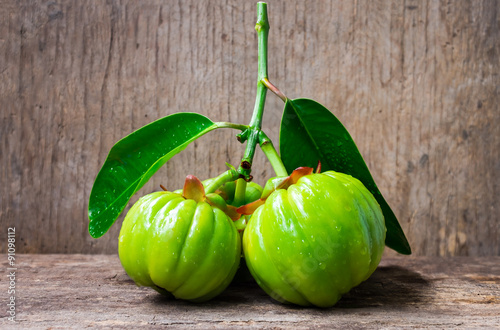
(274, 184)
(193, 189)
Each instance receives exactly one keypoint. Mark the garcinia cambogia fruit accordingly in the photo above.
(180, 244)
(253, 192)
(313, 237)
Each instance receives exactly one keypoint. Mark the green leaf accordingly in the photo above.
(134, 159)
(310, 132)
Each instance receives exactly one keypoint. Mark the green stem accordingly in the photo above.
(251, 135)
(262, 28)
(239, 193)
(229, 175)
(231, 125)
(272, 155)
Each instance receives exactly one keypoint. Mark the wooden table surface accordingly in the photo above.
(63, 291)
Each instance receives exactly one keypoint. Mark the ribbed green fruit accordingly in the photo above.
(314, 241)
(180, 246)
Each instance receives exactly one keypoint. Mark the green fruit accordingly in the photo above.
(314, 241)
(253, 192)
(180, 244)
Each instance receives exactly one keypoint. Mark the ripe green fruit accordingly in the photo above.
(180, 244)
(314, 241)
(253, 192)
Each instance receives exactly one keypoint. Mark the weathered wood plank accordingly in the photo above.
(415, 82)
(75, 291)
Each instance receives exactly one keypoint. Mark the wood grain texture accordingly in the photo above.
(77, 291)
(415, 82)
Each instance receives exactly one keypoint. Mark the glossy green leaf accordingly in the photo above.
(311, 133)
(134, 159)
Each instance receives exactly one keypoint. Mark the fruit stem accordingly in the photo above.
(229, 175)
(239, 193)
(272, 155)
(251, 135)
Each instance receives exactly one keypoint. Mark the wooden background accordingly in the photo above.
(415, 82)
